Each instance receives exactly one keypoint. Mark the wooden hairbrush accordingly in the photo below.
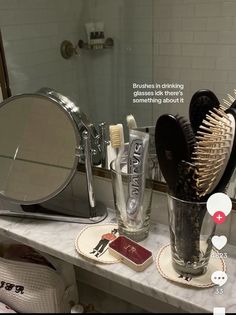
(202, 101)
(215, 151)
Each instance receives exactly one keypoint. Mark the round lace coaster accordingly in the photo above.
(164, 266)
(92, 242)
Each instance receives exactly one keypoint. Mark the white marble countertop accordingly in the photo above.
(57, 238)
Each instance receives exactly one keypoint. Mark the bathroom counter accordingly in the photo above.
(57, 239)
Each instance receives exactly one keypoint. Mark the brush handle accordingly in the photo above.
(120, 196)
(187, 233)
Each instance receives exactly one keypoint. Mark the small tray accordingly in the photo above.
(131, 253)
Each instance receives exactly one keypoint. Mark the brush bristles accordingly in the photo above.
(116, 135)
(230, 100)
(188, 132)
(213, 146)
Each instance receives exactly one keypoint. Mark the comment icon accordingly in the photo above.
(219, 278)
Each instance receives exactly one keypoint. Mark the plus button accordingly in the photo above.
(219, 217)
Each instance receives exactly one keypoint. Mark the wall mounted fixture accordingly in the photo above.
(68, 49)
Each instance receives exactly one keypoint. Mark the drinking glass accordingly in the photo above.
(133, 197)
(191, 229)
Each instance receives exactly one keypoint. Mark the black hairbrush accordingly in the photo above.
(202, 101)
(185, 188)
(175, 142)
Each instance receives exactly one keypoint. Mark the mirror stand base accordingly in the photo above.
(39, 212)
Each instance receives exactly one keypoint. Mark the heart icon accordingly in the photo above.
(219, 241)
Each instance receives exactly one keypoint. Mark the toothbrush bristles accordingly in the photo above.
(116, 135)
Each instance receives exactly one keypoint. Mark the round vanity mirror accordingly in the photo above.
(38, 142)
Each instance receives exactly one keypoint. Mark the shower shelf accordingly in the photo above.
(68, 49)
(109, 43)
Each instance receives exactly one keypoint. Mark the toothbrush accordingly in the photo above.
(131, 122)
(117, 142)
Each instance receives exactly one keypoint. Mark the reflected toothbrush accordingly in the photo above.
(131, 122)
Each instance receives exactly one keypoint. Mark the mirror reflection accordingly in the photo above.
(182, 46)
(39, 144)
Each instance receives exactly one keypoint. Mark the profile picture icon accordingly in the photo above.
(219, 206)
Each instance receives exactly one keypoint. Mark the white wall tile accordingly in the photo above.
(231, 79)
(194, 24)
(216, 50)
(182, 10)
(203, 62)
(192, 74)
(162, 37)
(227, 37)
(208, 9)
(215, 75)
(170, 49)
(161, 11)
(181, 37)
(193, 50)
(226, 63)
(205, 37)
(228, 8)
(168, 24)
(219, 23)
(179, 61)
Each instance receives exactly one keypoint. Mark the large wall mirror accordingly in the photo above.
(178, 46)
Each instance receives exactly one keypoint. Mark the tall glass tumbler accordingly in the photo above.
(133, 197)
(191, 229)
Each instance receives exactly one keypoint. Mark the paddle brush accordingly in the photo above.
(174, 140)
(215, 152)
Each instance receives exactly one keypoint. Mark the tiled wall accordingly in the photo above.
(195, 43)
(106, 77)
(32, 33)
(101, 81)
(189, 41)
